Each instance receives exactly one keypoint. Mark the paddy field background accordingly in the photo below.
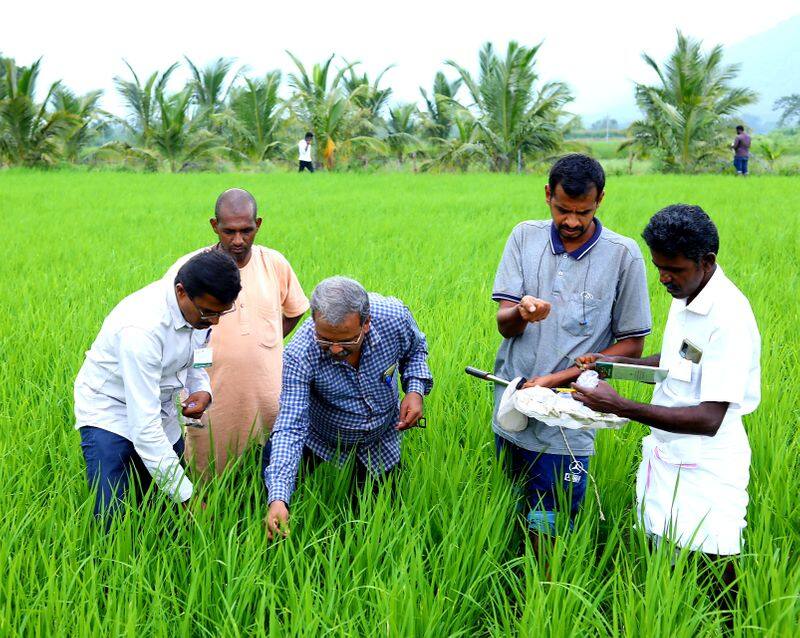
(446, 556)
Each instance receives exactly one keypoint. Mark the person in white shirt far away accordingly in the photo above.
(304, 153)
(150, 347)
(691, 485)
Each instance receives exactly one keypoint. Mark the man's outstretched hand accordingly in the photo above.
(410, 411)
(532, 309)
(603, 398)
(277, 520)
(195, 404)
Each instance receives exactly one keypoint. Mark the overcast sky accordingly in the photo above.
(594, 46)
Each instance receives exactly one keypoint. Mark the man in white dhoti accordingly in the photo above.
(692, 483)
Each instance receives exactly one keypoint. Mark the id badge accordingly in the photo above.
(202, 357)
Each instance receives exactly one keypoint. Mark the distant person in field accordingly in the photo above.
(248, 344)
(149, 348)
(741, 151)
(692, 482)
(305, 153)
(340, 392)
(564, 285)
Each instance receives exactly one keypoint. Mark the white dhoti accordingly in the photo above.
(692, 490)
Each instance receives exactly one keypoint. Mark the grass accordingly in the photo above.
(445, 557)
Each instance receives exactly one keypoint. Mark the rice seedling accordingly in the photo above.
(439, 552)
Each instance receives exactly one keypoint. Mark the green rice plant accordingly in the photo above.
(437, 551)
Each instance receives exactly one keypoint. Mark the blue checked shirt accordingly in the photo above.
(329, 406)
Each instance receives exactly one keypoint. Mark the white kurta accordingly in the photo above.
(693, 489)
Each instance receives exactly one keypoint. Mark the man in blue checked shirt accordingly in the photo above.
(339, 392)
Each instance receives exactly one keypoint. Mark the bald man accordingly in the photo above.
(247, 345)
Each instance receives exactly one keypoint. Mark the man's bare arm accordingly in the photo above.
(513, 317)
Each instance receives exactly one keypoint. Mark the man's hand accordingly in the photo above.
(195, 404)
(532, 309)
(603, 398)
(277, 520)
(410, 411)
(544, 381)
(587, 361)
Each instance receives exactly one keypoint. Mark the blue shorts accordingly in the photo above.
(740, 164)
(547, 481)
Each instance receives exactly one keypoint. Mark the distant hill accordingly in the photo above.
(770, 65)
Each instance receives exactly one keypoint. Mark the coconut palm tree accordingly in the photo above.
(209, 85)
(401, 127)
(365, 94)
(177, 139)
(514, 116)
(86, 122)
(3, 74)
(789, 105)
(256, 110)
(324, 107)
(161, 129)
(29, 134)
(438, 118)
(142, 102)
(461, 148)
(684, 112)
(210, 88)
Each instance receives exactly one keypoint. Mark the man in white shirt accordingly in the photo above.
(692, 483)
(304, 153)
(150, 347)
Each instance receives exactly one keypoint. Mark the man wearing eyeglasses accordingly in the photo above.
(248, 346)
(340, 394)
(150, 347)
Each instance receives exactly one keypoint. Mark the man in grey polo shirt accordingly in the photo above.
(564, 287)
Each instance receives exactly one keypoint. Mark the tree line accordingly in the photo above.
(503, 118)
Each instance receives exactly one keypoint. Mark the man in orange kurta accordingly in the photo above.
(247, 345)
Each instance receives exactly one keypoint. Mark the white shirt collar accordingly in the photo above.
(178, 320)
(702, 303)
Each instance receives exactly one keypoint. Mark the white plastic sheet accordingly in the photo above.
(555, 409)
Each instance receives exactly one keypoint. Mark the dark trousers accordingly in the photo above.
(309, 166)
(111, 464)
(740, 164)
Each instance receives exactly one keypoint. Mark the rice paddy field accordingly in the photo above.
(446, 554)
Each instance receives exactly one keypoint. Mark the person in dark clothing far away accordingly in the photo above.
(741, 151)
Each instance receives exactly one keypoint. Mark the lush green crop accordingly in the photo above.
(445, 556)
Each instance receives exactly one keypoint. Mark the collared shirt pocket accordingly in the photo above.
(270, 326)
(683, 380)
(582, 314)
(384, 391)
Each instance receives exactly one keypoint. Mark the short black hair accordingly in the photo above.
(740, 129)
(309, 134)
(682, 229)
(211, 272)
(577, 173)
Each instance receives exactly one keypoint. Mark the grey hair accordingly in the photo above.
(337, 297)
